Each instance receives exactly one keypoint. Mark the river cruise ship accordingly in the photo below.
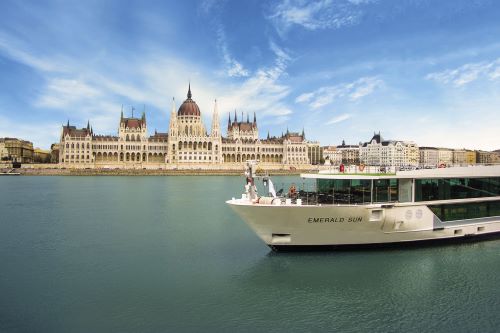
(359, 210)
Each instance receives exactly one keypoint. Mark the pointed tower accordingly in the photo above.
(235, 117)
(88, 125)
(173, 128)
(254, 119)
(229, 121)
(215, 122)
(248, 118)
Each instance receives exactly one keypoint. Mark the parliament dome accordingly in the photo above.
(189, 107)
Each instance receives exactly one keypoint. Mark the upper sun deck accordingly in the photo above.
(450, 172)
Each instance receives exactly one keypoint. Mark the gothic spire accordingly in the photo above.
(88, 124)
(229, 120)
(268, 135)
(121, 117)
(235, 117)
(303, 134)
(248, 118)
(189, 91)
(173, 105)
(67, 124)
(254, 118)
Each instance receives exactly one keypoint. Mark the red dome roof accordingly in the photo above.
(189, 107)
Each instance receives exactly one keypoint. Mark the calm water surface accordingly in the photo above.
(165, 254)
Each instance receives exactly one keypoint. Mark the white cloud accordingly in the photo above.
(467, 73)
(314, 15)
(233, 67)
(12, 50)
(64, 93)
(352, 91)
(338, 119)
(96, 92)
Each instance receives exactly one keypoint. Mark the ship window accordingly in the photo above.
(343, 191)
(466, 210)
(385, 190)
(456, 188)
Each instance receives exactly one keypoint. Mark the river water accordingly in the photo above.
(166, 254)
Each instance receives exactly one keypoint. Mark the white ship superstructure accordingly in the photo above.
(357, 210)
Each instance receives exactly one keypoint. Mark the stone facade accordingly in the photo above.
(332, 155)
(445, 156)
(350, 154)
(186, 144)
(464, 157)
(429, 156)
(379, 152)
(16, 150)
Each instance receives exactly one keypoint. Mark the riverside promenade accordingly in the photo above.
(234, 170)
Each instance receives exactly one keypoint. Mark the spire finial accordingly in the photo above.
(254, 118)
(248, 118)
(67, 124)
(229, 120)
(189, 91)
(88, 124)
(235, 116)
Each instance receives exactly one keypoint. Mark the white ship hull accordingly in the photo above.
(298, 227)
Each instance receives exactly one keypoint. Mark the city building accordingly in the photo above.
(314, 153)
(350, 153)
(187, 143)
(16, 150)
(381, 152)
(332, 155)
(429, 156)
(445, 156)
(485, 157)
(4, 153)
(41, 156)
(464, 157)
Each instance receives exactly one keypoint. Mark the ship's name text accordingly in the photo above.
(349, 219)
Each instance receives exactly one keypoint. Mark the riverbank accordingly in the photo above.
(143, 172)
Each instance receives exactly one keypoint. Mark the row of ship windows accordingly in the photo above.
(456, 188)
(466, 211)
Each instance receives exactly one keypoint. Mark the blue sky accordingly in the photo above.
(420, 70)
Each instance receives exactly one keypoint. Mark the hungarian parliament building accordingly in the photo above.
(187, 143)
